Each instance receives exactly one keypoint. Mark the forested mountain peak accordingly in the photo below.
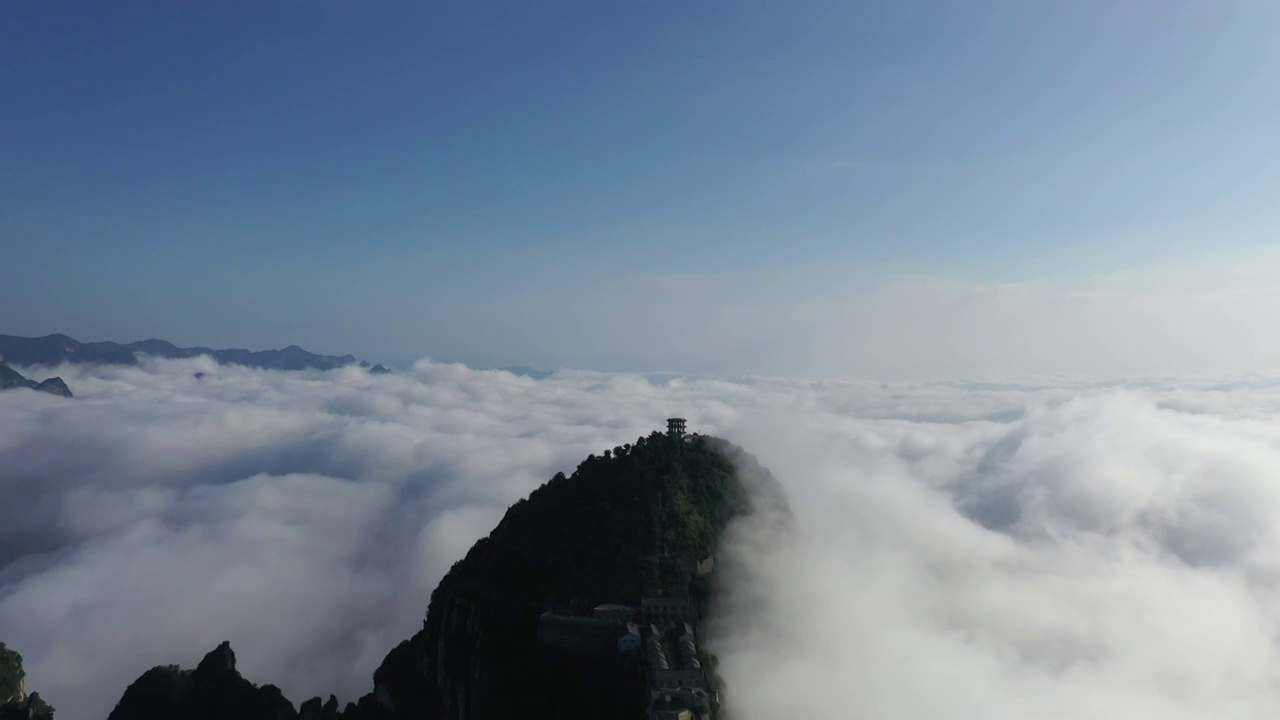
(544, 616)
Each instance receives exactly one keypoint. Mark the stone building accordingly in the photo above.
(629, 642)
(686, 688)
(614, 613)
(689, 649)
(704, 565)
(578, 635)
(654, 652)
(665, 608)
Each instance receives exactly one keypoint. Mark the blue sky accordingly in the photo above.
(692, 186)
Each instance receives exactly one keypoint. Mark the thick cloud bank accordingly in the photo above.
(1043, 549)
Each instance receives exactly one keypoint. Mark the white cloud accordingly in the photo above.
(1100, 557)
(1040, 547)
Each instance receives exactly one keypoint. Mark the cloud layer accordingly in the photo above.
(1101, 556)
(1040, 548)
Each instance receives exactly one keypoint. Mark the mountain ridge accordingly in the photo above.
(56, 349)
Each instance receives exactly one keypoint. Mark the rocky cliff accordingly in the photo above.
(15, 703)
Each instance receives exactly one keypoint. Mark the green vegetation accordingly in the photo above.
(627, 523)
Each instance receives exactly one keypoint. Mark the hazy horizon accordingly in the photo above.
(855, 190)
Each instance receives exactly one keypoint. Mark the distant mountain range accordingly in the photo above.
(57, 349)
(529, 372)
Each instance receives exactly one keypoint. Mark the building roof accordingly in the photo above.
(678, 674)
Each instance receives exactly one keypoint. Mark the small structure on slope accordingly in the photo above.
(675, 427)
(578, 635)
(629, 643)
(610, 612)
(664, 607)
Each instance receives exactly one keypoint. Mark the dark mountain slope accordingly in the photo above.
(214, 690)
(623, 525)
(10, 378)
(639, 521)
(55, 349)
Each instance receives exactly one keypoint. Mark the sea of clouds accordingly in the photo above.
(1040, 548)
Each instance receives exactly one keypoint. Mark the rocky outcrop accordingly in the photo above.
(54, 386)
(314, 710)
(15, 703)
(10, 378)
(215, 690)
